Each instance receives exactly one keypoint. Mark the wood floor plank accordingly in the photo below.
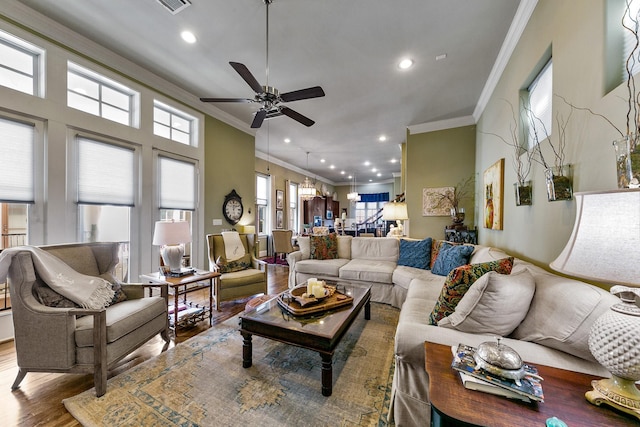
(38, 401)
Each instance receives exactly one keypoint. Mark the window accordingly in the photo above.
(263, 202)
(630, 51)
(538, 106)
(17, 141)
(21, 65)
(367, 211)
(293, 207)
(173, 124)
(95, 94)
(106, 182)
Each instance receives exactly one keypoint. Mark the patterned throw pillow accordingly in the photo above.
(458, 283)
(451, 257)
(236, 265)
(324, 247)
(415, 253)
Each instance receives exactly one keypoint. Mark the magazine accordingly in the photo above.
(528, 386)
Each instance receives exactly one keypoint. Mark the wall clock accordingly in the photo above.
(232, 208)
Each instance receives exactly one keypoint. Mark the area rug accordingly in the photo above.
(201, 382)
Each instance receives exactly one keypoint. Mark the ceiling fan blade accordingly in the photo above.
(226, 100)
(259, 118)
(297, 116)
(311, 92)
(247, 76)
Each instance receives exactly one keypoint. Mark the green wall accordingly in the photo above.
(578, 43)
(441, 158)
(230, 159)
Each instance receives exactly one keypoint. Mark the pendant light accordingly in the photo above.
(307, 190)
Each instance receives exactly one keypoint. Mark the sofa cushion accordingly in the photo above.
(451, 257)
(551, 324)
(486, 254)
(324, 247)
(403, 276)
(415, 253)
(378, 249)
(368, 270)
(304, 243)
(458, 283)
(344, 247)
(494, 304)
(327, 267)
(122, 319)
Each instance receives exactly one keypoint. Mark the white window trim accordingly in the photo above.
(542, 128)
(38, 54)
(193, 122)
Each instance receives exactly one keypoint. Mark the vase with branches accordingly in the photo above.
(453, 199)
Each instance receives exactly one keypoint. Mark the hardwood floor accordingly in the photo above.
(38, 401)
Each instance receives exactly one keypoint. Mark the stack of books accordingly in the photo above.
(526, 389)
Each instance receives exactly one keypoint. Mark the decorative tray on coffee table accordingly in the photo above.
(298, 303)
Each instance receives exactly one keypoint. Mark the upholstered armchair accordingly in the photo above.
(282, 242)
(238, 279)
(54, 335)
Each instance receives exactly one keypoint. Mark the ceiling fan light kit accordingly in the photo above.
(270, 99)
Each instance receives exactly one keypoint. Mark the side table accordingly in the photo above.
(454, 405)
(178, 286)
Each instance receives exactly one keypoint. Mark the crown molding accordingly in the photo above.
(518, 25)
(442, 124)
(282, 163)
(53, 32)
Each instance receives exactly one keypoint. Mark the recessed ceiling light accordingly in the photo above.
(322, 160)
(370, 180)
(379, 174)
(341, 172)
(405, 63)
(374, 169)
(350, 177)
(332, 167)
(367, 163)
(287, 140)
(441, 57)
(393, 160)
(188, 36)
(382, 138)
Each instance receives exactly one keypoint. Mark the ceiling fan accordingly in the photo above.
(270, 99)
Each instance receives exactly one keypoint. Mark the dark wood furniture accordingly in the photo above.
(181, 286)
(321, 332)
(454, 405)
(461, 235)
(320, 206)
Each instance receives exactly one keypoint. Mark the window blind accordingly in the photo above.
(540, 95)
(16, 161)
(177, 184)
(106, 173)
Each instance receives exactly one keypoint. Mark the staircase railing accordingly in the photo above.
(371, 224)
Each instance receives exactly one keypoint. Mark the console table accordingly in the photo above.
(454, 405)
(461, 235)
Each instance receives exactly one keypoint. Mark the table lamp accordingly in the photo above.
(171, 235)
(605, 247)
(395, 211)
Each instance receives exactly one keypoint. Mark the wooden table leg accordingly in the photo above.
(327, 374)
(247, 350)
(367, 310)
(176, 300)
(211, 281)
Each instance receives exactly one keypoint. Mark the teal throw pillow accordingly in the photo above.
(451, 257)
(415, 253)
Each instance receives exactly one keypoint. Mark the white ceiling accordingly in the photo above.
(349, 47)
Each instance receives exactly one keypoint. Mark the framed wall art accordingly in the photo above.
(279, 199)
(434, 201)
(279, 220)
(493, 195)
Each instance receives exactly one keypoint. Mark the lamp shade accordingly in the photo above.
(605, 243)
(171, 233)
(394, 211)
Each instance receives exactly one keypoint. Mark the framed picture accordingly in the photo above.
(279, 220)
(493, 195)
(435, 201)
(279, 199)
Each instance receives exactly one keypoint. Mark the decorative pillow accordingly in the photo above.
(458, 283)
(324, 247)
(236, 265)
(116, 285)
(435, 250)
(495, 304)
(415, 253)
(451, 257)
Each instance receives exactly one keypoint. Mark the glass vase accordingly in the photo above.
(524, 193)
(559, 183)
(627, 161)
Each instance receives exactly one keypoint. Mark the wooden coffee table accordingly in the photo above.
(321, 332)
(454, 405)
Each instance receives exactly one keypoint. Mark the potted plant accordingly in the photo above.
(453, 200)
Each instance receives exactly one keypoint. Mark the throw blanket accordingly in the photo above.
(86, 291)
(233, 247)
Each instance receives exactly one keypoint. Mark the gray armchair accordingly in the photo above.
(61, 338)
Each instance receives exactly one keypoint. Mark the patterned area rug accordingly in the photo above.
(201, 382)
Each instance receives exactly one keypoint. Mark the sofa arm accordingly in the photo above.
(258, 264)
(292, 258)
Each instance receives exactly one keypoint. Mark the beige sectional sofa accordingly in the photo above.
(552, 315)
